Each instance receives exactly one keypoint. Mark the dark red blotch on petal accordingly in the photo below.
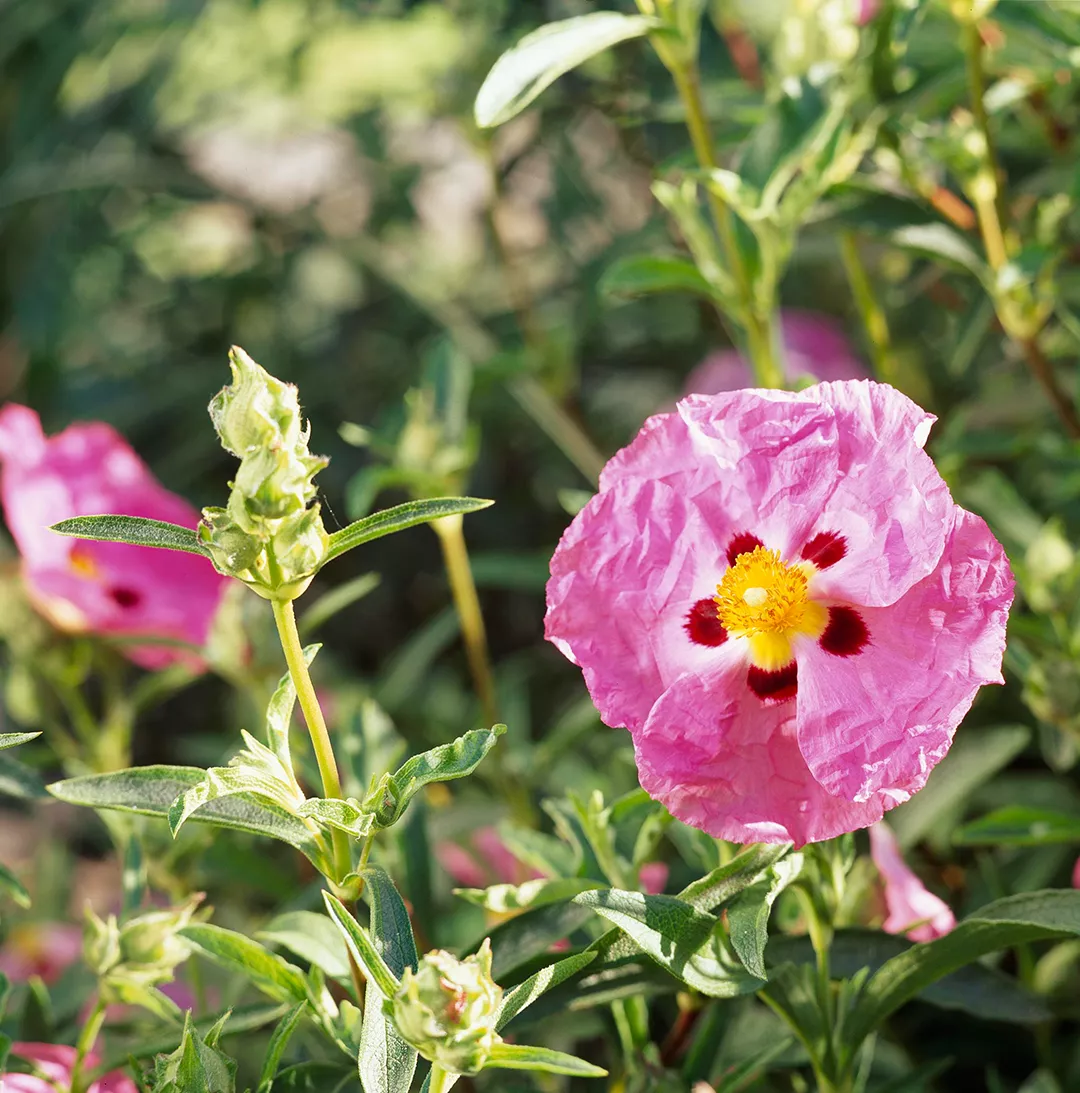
(703, 625)
(774, 687)
(125, 597)
(846, 633)
(743, 543)
(825, 549)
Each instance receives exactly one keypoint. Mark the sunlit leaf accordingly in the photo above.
(135, 530)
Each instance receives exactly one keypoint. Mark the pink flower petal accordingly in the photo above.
(870, 723)
(653, 877)
(56, 1061)
(906, 897)
(721, 761)
(42, 949)
(105, 588)
(1076, 874)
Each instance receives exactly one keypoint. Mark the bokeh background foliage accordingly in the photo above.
(304, 178)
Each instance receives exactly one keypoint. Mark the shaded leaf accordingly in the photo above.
(1020, 826)
(13, 887)
(18, 780)
(279, 711)
(503, 898)
(748, 913)
(14, 739)
(728, 880)
(311, 937)
(524, 994)
(642, 274)
(541, 57)
(135, 530)
(279, 1041)
(361, 946)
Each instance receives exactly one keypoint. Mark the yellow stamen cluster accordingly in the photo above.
(768, 601)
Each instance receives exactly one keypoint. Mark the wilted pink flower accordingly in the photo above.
(43, 949)
(778, 597)
(56, 1061)
(906, 897)
(106, 588)
(814, 345)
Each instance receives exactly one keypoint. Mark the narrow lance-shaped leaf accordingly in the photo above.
(1020, 826)
(541, 57)
(279, 1041)
(643, 274)
(151, 791)
(312, 937)
(345, 815)
(13, 887)
(441, 764)
(134, 530)
(524, 994)
(502, 898)
(399, 518)
(1003, 924)
(524, 1057)
(240, 954)
(14, 739)
(728, 880)
(18, 780)
(279, 712)
(361, 946)
(748, 913)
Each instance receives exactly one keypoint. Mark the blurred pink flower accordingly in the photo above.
(906, 897)
(813, 345)
(653, 877)
(486, 861)
(779, 598)
(43, 949)
(56, 1062)
(1076, 874)
(106, 588)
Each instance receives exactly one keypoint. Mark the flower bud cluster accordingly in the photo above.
(447, 1009)
(140, 953)
(270, 535)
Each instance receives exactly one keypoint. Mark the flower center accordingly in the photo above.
(768, 601)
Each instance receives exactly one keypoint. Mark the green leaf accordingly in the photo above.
(541, 57)
(18, 780)
(269, 972)
(13, 887)
(943, 243)
(386, 1062)
(279, 1041)
(315, 1078)
(279, 713)
(686, 942)
(1020, 826)
(311, 937)
(728, 880)
(1008, 922)
(151, 791)
(527, 936)
(14, 739)
(441, 764)
(502, 898)
(196, 1066)
(973, 759)
(523, 1057)
(748, 913)
(337, 599)
(524, 994)
(255, 770)
(135, 530)
(361, 946)
(977, 989)
(399, 518)
(642, 274)
(344, 815)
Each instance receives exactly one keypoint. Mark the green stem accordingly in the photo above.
(875, 325)
(87, 1038)
(451, 533)
(437, 1082)
(285, 617)
(973, 55)
(762, 340)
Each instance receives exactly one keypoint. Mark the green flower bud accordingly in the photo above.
(257, 410)
(299, 547)
(447, 1009)
(232, 549)
(101, 942)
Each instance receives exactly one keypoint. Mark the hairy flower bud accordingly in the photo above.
(257, 410)
(447, 1009)
(270, 535)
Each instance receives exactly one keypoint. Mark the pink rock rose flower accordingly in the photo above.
(814, 345)
(43, 949)
(776, 594)
(91, 587)
(56, 1061)
(906, 897)
(1076, 874)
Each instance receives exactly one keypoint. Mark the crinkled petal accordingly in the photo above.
(878, 721)
(623, 579)
(908, 900)
(721, 761)
(888, 500)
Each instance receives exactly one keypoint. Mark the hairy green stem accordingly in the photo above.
(437, 1082)
(875, 325)
(762, 341)
(84, 1045)
(285, 617)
